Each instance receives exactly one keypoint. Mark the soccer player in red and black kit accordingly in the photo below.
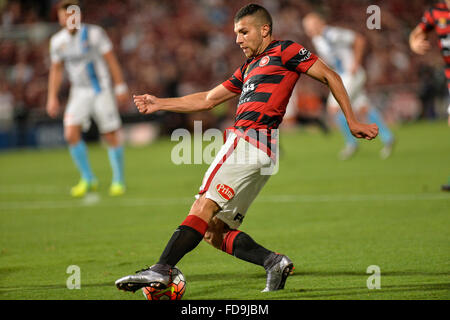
(264, 82)
(435, 18)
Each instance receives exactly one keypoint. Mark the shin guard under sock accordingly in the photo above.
(242, 246)
(185, 238)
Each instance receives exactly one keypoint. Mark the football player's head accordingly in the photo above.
(313, 24)
(69, 14)
(253, 28)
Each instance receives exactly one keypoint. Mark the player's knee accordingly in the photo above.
(212, 238)
(112, 139)
(204, 208)
(215, 233)
(71, 135)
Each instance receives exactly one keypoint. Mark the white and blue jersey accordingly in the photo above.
(91, 94)
(82, 54)
(335, 47)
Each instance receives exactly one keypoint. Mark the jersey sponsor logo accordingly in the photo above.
(247, 89)
(445, 43)
(248, 86)
(225, 191)
(305, 54)
(264, 61)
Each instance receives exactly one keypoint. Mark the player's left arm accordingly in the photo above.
(120, 87)
(321, 72)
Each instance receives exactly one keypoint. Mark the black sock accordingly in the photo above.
(245, 248)
(183, 240)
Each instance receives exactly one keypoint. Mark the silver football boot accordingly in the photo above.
(278, 273)
(157, 276)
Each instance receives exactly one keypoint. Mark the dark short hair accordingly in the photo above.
(64, 4)
(254, 9)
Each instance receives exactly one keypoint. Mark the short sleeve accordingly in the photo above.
(101, 40)
(296, 57)
(234, 83)
(427, 22)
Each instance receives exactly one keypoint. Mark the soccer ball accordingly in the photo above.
(174, 290)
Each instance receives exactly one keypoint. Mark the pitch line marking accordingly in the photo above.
(96, 200)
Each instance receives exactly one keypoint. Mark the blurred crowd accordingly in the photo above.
(176, 47)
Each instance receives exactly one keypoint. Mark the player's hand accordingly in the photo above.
(53, 107)
(420, 45)
(146, 103)
(364, 131)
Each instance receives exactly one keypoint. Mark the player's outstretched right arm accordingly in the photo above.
(195, 102)
(54, 83)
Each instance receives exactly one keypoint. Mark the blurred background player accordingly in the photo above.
(87, 55)
(343, 50)
(435, 18)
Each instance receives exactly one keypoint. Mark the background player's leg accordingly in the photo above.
(351, 145)
(78, 152)
(116, 159)
(386, 136)
(107, 117)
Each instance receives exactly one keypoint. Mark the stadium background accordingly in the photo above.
(332, 218)
(171, 48)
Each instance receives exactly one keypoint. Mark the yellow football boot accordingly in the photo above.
(83, 187)
(116, 189)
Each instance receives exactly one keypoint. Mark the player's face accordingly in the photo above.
(63, 16)
(249, 36)
(313, 25)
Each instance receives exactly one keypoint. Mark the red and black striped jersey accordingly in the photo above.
(438, 18)
(266, 82)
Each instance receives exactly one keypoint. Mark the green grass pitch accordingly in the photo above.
(332, 218)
